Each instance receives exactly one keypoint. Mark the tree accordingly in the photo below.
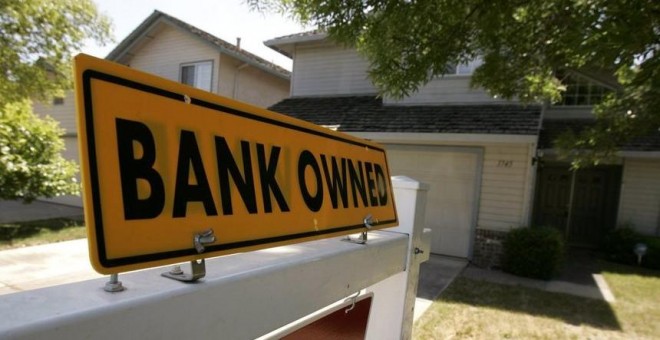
(30, 162)
(37, 40)
(524, 46)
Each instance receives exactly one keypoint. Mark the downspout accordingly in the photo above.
(236, 76)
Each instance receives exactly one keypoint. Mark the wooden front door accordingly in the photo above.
(581, 204)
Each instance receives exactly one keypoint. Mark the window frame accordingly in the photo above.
(577, 83)
(470, 66)
(196, 65)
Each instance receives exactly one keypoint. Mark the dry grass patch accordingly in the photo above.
(471, 309)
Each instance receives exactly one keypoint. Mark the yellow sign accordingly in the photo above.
(163, 162)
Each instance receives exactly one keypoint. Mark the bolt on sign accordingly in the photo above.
(163, 162)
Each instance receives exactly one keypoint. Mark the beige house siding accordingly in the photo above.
(258, 88)
(232, 78)
(324, 69)
(168, 49)
(63, 113)
(640, 195)
(448, 90)
(505, 185)
(225, 83)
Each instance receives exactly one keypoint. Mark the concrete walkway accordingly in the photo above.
(46, 265)
(435, 275)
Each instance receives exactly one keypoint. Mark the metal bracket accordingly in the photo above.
(198, 271)
(352, 299)
(362, 239)
(197, 267)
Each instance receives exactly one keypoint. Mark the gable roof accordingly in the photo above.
(368, 114)
(285, 44)
(133, 40)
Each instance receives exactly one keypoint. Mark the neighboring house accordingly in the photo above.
(170, 48)
(481, 155)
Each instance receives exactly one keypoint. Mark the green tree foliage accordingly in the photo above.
(524, 44)
(30, 162)
(37, 39)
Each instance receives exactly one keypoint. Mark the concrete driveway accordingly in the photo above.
(44, 266)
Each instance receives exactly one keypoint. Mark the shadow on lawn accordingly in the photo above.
(20, 230)
(617, 268)
(567, 308)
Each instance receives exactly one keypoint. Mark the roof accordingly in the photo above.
(285, 44)
(368, 114)
(124, 48)
(552, 128)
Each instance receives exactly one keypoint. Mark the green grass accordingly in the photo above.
(471, 309)
(24, 234)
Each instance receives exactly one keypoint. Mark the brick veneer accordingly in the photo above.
(488, 248)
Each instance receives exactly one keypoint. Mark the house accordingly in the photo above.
(490, 162)
(170, 48)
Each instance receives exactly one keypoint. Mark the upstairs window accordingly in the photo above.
(58, 101)
(199, 74)
(580, 91)
(464, 69)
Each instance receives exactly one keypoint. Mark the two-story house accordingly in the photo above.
(170, 48)
(489, 162)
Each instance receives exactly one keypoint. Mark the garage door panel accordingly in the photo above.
(452, 174)
(451, 242)
(453, 192)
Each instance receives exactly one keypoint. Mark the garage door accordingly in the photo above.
(453, 176)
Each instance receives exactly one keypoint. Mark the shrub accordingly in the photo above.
(619, 243)
(533, 252)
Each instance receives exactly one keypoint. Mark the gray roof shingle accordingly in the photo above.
(368, 114)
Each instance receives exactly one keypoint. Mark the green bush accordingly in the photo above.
(533, 252)
(619, 244)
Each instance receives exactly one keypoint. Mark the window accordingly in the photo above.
(463, 69)
(58, 101)
(199, 74)
(581, 91)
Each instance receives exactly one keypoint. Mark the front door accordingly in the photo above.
(582, 204)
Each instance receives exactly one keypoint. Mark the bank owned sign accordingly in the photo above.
(162, 162)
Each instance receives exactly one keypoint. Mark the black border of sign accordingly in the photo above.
(87, 77)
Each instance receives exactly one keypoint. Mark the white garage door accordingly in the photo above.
(453, 176)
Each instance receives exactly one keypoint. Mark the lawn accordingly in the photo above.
(24, 234)
(471, 309)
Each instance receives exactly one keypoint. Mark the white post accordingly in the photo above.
(392, 311)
